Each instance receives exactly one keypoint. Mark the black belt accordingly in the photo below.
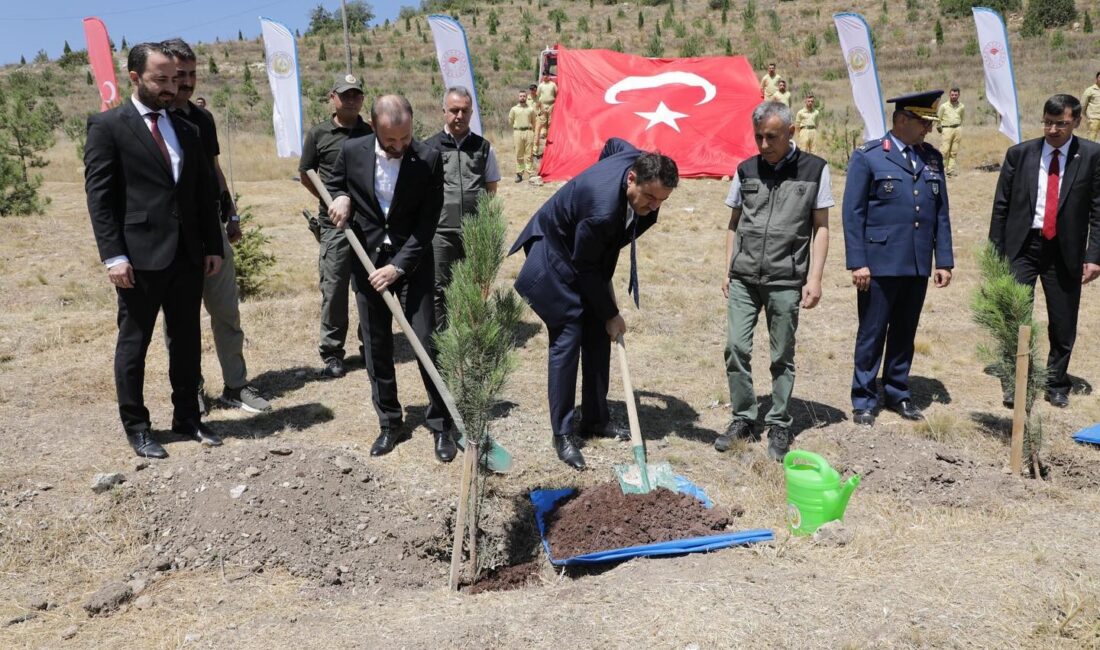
(807, 127)
(951, 126)
(521, 128)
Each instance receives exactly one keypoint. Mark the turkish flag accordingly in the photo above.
(696, 111)
(102, 62)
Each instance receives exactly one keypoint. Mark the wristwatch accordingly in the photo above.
(400, 271)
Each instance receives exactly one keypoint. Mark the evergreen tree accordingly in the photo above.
(212, 66)
(251, 258)
(247, 72)
(609, 24)
(124, 45)
(90, 80)
(1087, 26)
(321, 54)
(66, 50)
(240, 35)
(360, 61)
(939, 32)
(378, 56)
(641, 19)
(28, 117)
(22, 60)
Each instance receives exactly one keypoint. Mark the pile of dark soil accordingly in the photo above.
(319, 514)
(603, 518)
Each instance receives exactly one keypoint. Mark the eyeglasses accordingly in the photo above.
(1060, 125)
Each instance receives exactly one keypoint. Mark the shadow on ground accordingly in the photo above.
(262, 425)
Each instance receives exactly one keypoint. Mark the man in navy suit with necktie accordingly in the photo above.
(572, 245)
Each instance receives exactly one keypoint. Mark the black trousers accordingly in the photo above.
(178, 290)
(889, 312)
(1042, 259)
(415, 292)
(581, 342)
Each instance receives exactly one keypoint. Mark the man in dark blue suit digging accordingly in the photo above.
(572, 246)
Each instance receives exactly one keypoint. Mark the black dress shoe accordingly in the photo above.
(568, 452)
(1058, 398)
(386, 441)
(865, 417)
(197, 430)
(143, 445)
(905, 409)
(445, 448)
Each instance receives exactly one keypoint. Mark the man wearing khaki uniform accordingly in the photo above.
(950, 115)
(805, 122)
(522, 119)
(769, 83)
(1091, 103)
(547, 95)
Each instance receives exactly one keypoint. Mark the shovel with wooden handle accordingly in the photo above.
(497, 458)
(641, 476)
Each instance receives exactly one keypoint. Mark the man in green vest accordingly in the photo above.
(469, 168)
(950, 115)
(776, 246)
(522, 119)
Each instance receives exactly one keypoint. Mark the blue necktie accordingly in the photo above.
(633, 288)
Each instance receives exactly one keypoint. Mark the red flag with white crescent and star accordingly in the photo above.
(698, 111)
(102, 62)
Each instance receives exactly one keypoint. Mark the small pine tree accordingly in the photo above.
(22, 60)
(658, 31)
(609, 24)
(212, 66)
(250, 255)
(378, 56)
(641, 19)
(655, 49)
(401, 53)
(247, 73)
(725, 15)
(811, 45)
(408, 24)
(557, 25)
(322, 55)
(1087, 25)
(362, 63)
(617, 46)
(124, 45)
(240, 35)
(729, 47)
(1000, 305)
(939, 32)
(91, 82)
(66, 49)
(297, 33)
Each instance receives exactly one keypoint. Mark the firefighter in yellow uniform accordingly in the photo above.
(1091, 101)
(781, 94)
(950, 115)
(522, 119)
(547, 95)
(806, 124)
(769, 83)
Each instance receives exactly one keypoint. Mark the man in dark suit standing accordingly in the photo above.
(572, 246)
(388, 188)
(1046, 221)
(152, 206)
(895, 221)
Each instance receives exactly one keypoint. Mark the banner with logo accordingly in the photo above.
(454, 60)
(698, 111)
(859, 55)
(1000, 81)
(102, 62)
(281, 54)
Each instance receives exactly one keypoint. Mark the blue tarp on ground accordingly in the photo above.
(545, 501)
(1088, 435)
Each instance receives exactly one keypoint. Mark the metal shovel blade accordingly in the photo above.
(659, 474)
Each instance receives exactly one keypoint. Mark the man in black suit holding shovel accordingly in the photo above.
(388, 188)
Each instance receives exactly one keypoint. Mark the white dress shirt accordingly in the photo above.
(175, 152)
(386, 171)
(1044, 165)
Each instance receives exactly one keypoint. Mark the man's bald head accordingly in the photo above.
(391, 116)
(394, 109)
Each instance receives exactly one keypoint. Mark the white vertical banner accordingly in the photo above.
(454, 60)
(281, 53)
(859, 56)
(1000, 80)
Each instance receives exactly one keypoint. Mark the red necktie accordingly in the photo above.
(1050, 211)
(158, 138)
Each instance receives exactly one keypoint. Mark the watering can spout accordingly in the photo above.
(846, 493)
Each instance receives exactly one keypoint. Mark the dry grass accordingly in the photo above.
(1010, 573)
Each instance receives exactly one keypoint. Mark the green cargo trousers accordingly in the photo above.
(448, 249)
(219, 294)
(780, 305)
(334, 264)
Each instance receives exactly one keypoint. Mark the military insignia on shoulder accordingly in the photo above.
(936, 189)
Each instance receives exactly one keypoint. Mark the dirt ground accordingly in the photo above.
(948, 549)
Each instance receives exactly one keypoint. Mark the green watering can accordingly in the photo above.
(814, 492)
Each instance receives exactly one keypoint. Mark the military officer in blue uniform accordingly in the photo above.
(897, 232)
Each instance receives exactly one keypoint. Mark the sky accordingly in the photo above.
(46, 24)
